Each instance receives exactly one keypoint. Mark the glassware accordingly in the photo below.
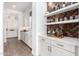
(56, 19)
(65, 18)
(71, 17)
(63, 5)
(68, 3)
(48, 21)
(77, 17)
(60, 19)
(60, 5)
(53, 33)
(52, 20)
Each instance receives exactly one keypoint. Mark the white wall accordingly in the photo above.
(34, 28)
(26, 15)
(38, 24)
(1, 28)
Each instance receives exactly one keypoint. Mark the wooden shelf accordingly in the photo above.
(71, 7)
(64, 22)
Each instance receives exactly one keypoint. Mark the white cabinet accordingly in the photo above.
(55, 48)
(44, 48)
(78, 51)
(62, 49)
(60, 52)
(26, 38)
(22, 34)
(64, 46)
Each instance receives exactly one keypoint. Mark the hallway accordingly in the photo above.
(15, 47)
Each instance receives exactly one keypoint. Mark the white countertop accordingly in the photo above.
(68, 40)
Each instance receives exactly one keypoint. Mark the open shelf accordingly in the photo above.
(63, 22)
(70, 7)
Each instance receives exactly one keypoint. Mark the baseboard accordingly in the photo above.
(11, 37)
(26, 44)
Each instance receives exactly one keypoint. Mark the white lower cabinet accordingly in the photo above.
(26, 38)
(22, 36)
(52, 48)
(60, 52)
(44, 48)
(78, 51)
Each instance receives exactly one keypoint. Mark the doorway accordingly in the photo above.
(17, 41)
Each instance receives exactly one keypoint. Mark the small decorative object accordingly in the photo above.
(51, 6)
(48, 21)
(77, 17)
(57, 32)
(71, 17)
(52, 20)
(60, 5)
(65, 18)
(68, 3)
(73, 3)
(53, 33)
(56, 19)
(56, 6)
(63, 5)
(60, 19)
(49, 32)
(61, 31)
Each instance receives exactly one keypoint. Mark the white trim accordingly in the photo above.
(71, 7)
(63, 22)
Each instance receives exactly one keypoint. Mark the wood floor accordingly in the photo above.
(15, 47)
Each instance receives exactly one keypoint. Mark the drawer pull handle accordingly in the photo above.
(60, 45)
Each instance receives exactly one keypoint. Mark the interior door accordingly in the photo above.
(11, 29)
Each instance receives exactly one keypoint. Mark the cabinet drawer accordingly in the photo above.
(61, 52)
(65, 46)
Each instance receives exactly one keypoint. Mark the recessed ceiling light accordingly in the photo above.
(14, 6)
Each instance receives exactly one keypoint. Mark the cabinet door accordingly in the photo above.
(22, 36)
(78, 51)
(44, 48)
(29, 39)
(26, 38)
(60, 52)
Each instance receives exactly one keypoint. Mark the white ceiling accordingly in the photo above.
(21, 6)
